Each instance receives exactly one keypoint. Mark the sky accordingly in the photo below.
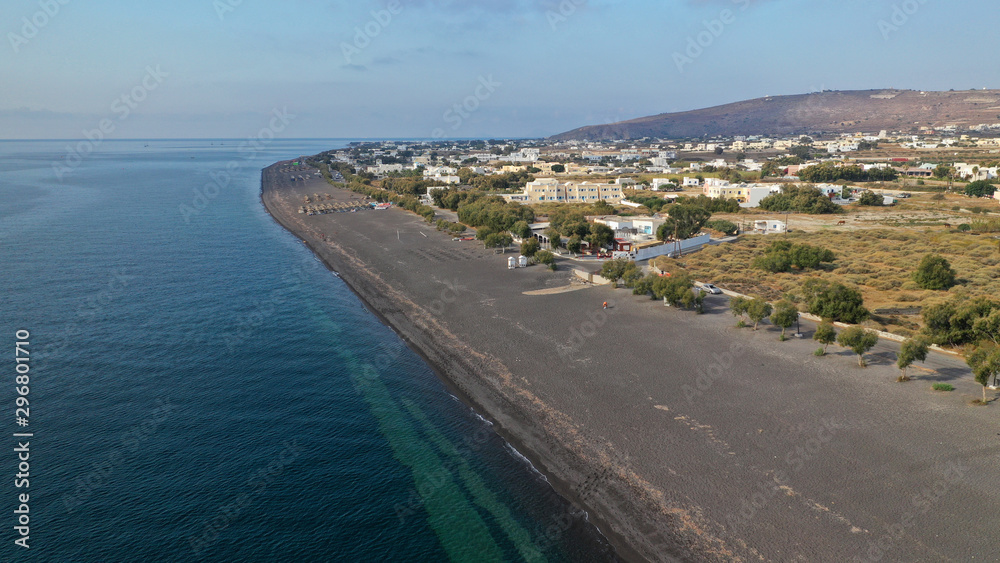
(456, 68)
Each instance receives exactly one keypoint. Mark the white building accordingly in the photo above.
(661, 183)
(551, 190)
(770, 226)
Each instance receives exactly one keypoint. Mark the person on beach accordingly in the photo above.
(605, 304)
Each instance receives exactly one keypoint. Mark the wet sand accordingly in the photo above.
(683, 437)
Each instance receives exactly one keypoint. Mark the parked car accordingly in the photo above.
(709, 288)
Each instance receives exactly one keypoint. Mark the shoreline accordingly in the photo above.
(562, 486)
(676, 433)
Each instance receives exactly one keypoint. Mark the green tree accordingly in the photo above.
(738, 305)
(530, 246)
(985, 364)
(980, 188)
(723, 226)
(498, 240)
(521, 230)
(575, 244)
(773, 262)
(674, 289)
(684, 221)
(988, 327)
(601, 235)
(758, 310)
(785, 314)
(802, 151)
(912, 350)
(554, 236)
(871, 199)
(558, 168)
(800, 199)
(943, 171)
(770, 168)
(614, 270)
(547, 258)
(834, 301)
(825, 335)
(934, 273)
(632, 274)
(860, 340)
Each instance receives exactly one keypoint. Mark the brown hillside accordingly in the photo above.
(825, 112)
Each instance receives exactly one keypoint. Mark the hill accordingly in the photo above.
(821, 112)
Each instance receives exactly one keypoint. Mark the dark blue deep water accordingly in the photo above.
(203, 389)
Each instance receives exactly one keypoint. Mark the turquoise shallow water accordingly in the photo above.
(204, 389)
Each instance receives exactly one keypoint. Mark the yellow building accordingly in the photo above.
(551, 190)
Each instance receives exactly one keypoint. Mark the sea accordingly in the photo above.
(197, 386)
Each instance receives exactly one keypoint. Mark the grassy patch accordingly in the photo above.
(942, 387)
(879, 261)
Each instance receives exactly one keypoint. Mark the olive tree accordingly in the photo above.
(860, 340)
(985, 363)
(912, 350)
(758, 310)
(614, 270)
(785, 314)
(825, 335)
(738, 305)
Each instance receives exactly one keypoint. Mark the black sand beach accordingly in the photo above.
(684, 437)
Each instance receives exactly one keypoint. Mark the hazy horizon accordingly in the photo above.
(453, 68)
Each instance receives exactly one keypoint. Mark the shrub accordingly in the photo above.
(782, 255)
(942, 387)
(819, 352)
(980, 188)
(934, 273)
(834, 301)
(723, 226)
(801, 199)
(871, 199)
(547, 258)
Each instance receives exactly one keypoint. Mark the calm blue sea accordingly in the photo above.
(203, 389)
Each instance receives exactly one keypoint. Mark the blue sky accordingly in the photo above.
(522, 68)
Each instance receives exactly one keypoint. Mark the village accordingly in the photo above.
(639, 180)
